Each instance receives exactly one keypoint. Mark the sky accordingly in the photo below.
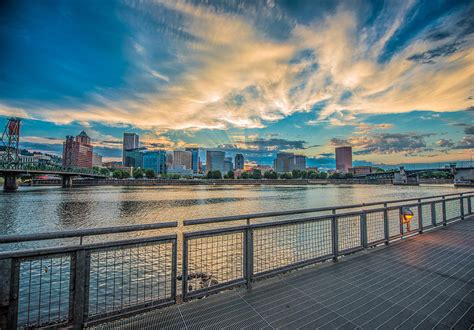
(393, 79)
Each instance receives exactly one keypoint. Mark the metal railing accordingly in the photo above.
(83, 284)
(51, 168)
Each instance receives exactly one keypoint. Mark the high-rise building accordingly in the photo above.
(134, 157)
(194, 159)
(215, 161)
(130, 142)
(239, 162)
(96, 159)
(228, 166)
(155, 160)
(77, 152)
(283, 162)
(182, 159)
(298, 163)
(343, 159)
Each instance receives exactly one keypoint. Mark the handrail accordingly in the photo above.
(311, 210)
(85, 232)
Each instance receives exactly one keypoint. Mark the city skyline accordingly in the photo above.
(392, 81)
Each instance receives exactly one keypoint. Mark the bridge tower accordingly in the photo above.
(10, 142)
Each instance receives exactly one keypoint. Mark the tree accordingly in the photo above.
(214, 175)
(245, 175)
(256, 174)
(229, 175)
(270, 175)
(335, 175)
(323, 175)
(348, 176)
(286, 175)
(150, 174)
(296, 174)
(138, 173)
(104, 171)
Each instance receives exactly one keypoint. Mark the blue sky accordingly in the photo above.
(394, 79)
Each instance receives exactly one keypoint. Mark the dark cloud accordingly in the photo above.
(469, 130)
(429, 56)
(444, 143)
(386, 143)
(467, 142)
(272, 144)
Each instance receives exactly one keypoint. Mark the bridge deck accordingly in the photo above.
(425, 281)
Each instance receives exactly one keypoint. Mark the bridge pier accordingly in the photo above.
(10, 183)
(67, 181)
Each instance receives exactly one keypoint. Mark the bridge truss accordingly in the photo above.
(10, 142)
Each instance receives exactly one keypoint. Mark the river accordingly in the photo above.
(41, 209)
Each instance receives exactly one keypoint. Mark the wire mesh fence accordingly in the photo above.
(284, 245)
(349, 232)
(439, 212)
(375, 226)
(426, 215)
(44, 290)
(213, 260)
(129, 276)
(453, 209)
(394, 222)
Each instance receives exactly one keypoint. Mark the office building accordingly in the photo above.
(155, 160)
(362, 170)
(77, 152)
(195, 161)
(298, 163)
(134, 157)
(182, 159)
(228, 166)
(96, 159)
(130, 142)
(283, 162)
(239, 162)
(343, 159)
(215, 161)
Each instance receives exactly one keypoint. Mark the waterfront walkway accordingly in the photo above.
(426, 281)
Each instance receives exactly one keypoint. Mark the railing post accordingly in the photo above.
(9, 273)
(461, 204)
(469, 207)
(400, 220)
(81, 271)
(174, 266)
(335, 238)
(385, 224)
(184, 276)
(248, 255)
(420, 217)
(433, 214)
(363, 229)
(444, 211)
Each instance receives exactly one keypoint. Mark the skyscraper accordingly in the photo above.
(343, 159)
(298, 163)
(283, 162)
(215, 161)
(195, 159)
(182, 159)
(130, 142)
(155, 160)
(239, 162)
(77, 152)
(228, 166)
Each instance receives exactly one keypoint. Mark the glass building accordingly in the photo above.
(155, 160)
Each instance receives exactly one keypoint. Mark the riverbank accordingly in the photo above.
(180, 182)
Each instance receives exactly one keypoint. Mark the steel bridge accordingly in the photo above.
(365, 266)
(11, 167)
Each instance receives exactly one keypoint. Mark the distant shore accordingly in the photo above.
(188, 182)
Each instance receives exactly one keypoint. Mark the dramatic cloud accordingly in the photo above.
(467, 142)
(195, 66)
(444, 143)
(408, 143)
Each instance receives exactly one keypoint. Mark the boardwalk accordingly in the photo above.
(426, 281)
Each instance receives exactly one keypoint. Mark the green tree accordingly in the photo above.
(348, 176)
(335, 175)
(296, 174)
(104, 171)
(256, 174)
(138, 173)
(270, 175)
(323, 175)
(230, 175)
(286, 175)
(245, 175)
(150, 174)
